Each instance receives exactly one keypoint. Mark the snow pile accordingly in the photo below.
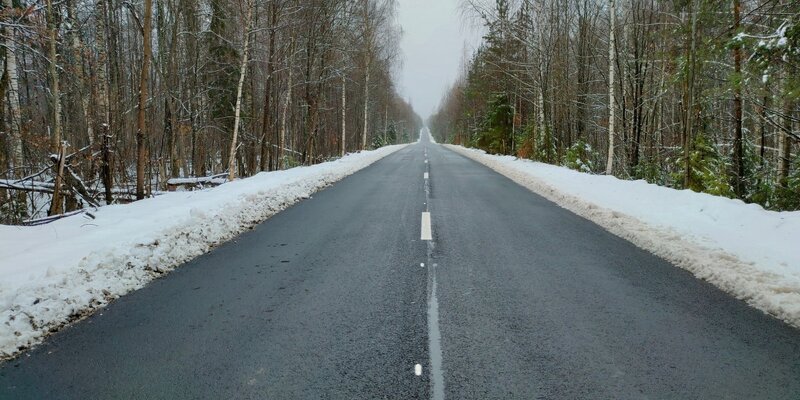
(741, 248)
(55, 273)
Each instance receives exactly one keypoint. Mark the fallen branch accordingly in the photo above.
(200, 181)
(28, 186)
(47, 220)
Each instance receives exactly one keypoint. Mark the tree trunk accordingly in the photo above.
(108, 180)
(83, 86)
(366, 106)
(612, 54)
(688, 124)
(101, 97)
(266, 138)
(55, 97)
(785, 145)
(171, 91)
(57, 202)
(170, 132)
(4, 150)
(141, 145)
(762, 127)
(342, 145)
(15, 128)
(738, 151)
(285, 112)
(542, 129)
(238, 110)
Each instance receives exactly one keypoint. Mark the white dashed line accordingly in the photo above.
(425, 176)
(425, 233)
(418, 370)
(434, 335)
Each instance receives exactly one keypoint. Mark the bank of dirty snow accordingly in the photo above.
(749, 252)
(53, 273)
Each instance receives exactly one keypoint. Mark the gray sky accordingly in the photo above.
(434, 41)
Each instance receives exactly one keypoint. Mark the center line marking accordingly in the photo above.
(425, 175)
(434, 334)
(418, 370)
(434, 337)
(425, 233)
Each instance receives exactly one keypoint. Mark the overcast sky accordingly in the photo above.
(434, 41)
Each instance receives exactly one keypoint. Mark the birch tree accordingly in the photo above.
(55, 101)
(612, 54)
(243, 68)
(15, 118)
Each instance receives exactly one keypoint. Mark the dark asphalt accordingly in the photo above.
(328, 300)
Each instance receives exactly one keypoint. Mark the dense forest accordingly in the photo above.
(691, 94)
(107, 101)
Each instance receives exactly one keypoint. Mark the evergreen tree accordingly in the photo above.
(496, 136)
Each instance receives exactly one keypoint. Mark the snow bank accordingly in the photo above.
(749, 252)
(424, 131)
(52, 274)
(430, 135)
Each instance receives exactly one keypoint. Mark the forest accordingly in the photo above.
(690, 94)
(112, 101)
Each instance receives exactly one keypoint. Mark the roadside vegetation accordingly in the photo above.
(690, 94)
(110, 101)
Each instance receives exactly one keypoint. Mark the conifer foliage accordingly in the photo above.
(695, 94)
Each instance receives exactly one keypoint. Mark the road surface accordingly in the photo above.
(339, 296)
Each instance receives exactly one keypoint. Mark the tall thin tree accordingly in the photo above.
(141, 126)
(242, 73)
(612, 101)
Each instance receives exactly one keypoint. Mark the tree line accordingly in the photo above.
(104, 101)
(691, 94)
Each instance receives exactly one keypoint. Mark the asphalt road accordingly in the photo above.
(338, 297)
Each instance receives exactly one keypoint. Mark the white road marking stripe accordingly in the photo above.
(426, 227)
(418, 370)
(434, 338)
(434, 334)
(425, 175)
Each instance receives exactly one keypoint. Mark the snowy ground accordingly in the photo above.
(55, 273)
(741, 248)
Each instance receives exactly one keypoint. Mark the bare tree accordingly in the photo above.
(612, 101)
(133, 116)
(141, 125)
(243, 68)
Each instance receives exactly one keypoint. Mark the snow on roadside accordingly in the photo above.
(52, 274)
(430, 135)
(424, 131)
(749, 252)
